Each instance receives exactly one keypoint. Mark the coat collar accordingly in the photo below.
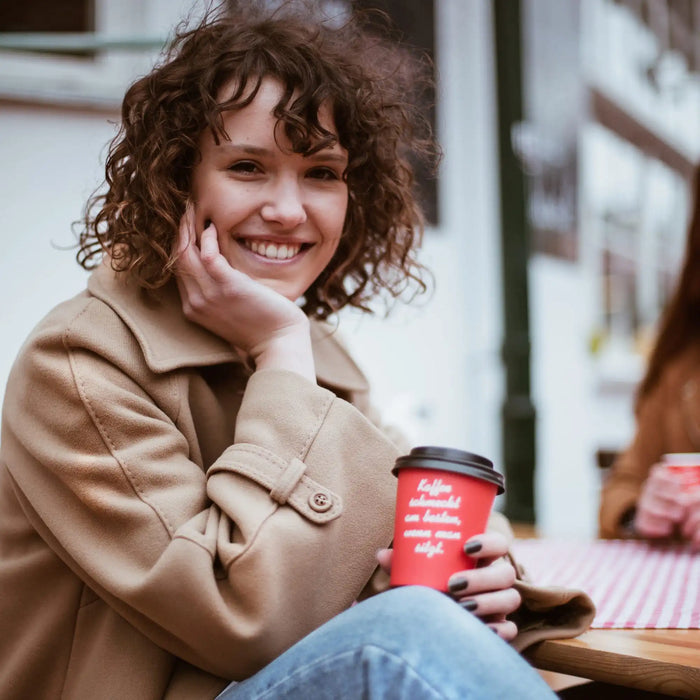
(169, 341)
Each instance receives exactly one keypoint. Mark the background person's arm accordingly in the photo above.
(622, 487)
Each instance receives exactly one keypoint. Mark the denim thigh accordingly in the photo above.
(409, 643)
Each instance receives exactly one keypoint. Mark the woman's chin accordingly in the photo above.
(283, 288)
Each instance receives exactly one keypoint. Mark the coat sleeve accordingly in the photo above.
(622, 486)
(224, 568)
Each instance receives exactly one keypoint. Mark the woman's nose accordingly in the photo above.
(284, 204)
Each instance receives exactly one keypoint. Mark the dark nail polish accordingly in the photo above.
(457, 585)
(470, 605)
(472, 547)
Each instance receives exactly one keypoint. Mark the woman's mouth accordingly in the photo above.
(272, 250)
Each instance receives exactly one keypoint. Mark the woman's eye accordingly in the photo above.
(245, 167)
(323, 174)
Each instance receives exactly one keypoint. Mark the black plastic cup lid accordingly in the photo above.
(451, 460)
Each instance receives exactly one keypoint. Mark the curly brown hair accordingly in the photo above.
(372, 84)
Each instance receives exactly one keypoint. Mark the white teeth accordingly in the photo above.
(284, 251)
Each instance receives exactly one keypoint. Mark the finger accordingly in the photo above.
(209, 268)
(486, 547)
(691, 525)
(189, 264)
(495, 603)
(215, 264)
(384, 558)
(664, 482)
(691, 499)
(652, 526)
(658, 498)
(695, 539)
(209, 243)
(186, 234)
(505, 629)
(662, 509)
(193, 281)
(666, 501)
(660, 471)
(190, 273)
(495, 577)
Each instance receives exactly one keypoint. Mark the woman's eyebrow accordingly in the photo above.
(245, 148)
(322, 155)
(325, 155)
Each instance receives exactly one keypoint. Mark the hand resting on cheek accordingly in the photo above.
(256, 320)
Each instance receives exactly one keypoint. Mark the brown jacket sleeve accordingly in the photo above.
(225, 568)
(545, 612)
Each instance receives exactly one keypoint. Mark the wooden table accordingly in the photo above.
(664, 661)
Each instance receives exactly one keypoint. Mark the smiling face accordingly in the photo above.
(279, 215)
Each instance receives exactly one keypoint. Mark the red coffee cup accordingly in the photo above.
(685, 466)
(444, 497)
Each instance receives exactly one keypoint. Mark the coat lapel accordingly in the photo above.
(169, 341)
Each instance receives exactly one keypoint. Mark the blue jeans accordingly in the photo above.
(410, 643)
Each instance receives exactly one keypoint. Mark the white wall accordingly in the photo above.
(51, 163)
(567, 480)
(53, 158)
(435, 368)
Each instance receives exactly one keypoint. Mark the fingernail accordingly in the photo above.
(470, 605)
(472, 547)
(457, 584)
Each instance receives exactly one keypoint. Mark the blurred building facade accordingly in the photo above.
(609, 135)
(609, 144)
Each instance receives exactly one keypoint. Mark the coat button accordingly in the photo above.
(320, 501)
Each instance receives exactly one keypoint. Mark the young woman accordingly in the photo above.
(193, 493)
(642, 497)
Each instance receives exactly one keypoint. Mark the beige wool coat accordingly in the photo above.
(172, 521)
(163, 510)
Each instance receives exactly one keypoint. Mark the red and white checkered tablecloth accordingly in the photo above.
(633, 584)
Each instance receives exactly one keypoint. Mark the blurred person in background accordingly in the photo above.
(640, 496)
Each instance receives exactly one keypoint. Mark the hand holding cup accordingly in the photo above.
(684, 468)
(444, 499)
(486, 590)
(661, 505)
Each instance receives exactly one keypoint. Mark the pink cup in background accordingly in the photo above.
(686, 466)
(444, 497)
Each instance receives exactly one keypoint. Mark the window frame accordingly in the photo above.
(127, 40)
